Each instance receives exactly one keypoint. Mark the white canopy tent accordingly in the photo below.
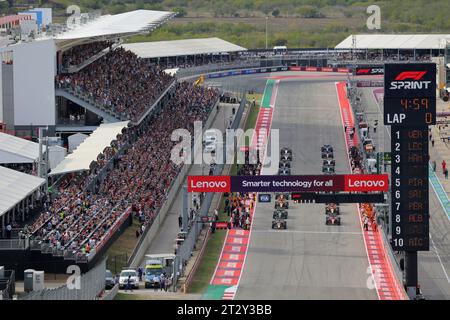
(16, 186)
(128, 23)
(394, 41)
(88, 151)
(176, 48)
(17, 150)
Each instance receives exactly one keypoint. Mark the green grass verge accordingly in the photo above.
(254, 110)
(122, 248)
(208, 263)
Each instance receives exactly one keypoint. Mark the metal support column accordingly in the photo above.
(411, 273)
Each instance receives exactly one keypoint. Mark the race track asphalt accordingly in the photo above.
(309, 260)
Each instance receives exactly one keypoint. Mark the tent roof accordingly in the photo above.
(15, 186)
(17, 150)
(395, 41)
(90, 148)
(128, 23)
(186, 47)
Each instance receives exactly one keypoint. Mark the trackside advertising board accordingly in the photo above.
(369, 70)
(306, 183)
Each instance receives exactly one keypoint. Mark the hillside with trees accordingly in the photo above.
(295, 23)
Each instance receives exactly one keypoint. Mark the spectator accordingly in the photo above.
(78, 219)
(119, 81)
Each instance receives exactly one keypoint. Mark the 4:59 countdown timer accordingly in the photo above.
(410, 111)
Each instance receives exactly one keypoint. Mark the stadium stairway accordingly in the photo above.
(101, 111)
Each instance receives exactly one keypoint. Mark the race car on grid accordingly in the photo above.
(327, 155)
(284, 164)
(327, 148)
(284, 171)
(333, 219)
(332, 208)
(282, 196)
(281, 204)
(280, 214)
(329, 162)
(286, 151)
(279, 224)
(328, 170)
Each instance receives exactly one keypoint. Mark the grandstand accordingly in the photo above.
(31, 67)
(83, 78)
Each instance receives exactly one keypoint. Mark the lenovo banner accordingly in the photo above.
(307, 183)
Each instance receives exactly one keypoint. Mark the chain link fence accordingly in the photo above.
(85, 287)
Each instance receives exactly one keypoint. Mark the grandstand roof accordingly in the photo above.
(17, 150)
(127, 23)
(395, 41)
(186, 47)
(16, 186)
(88, 151)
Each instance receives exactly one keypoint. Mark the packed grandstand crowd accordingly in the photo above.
(121, 81)
(77, 220)
(78, 54)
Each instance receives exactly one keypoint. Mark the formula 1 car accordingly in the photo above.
(279, 224)
(333, 219)
(281, 204)
(282, 196)
(286, 151)
(286, 157)
(327, 155)
(284, 164)
(284, 171)
(280, 214)
(328, 170)
(332, 208)
(327, 148)
(329, 162)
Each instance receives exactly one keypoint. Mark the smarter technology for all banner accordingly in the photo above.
(306, 183)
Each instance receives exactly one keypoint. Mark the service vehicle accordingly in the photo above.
(134, 279)
(152, 268)
(109, 280)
